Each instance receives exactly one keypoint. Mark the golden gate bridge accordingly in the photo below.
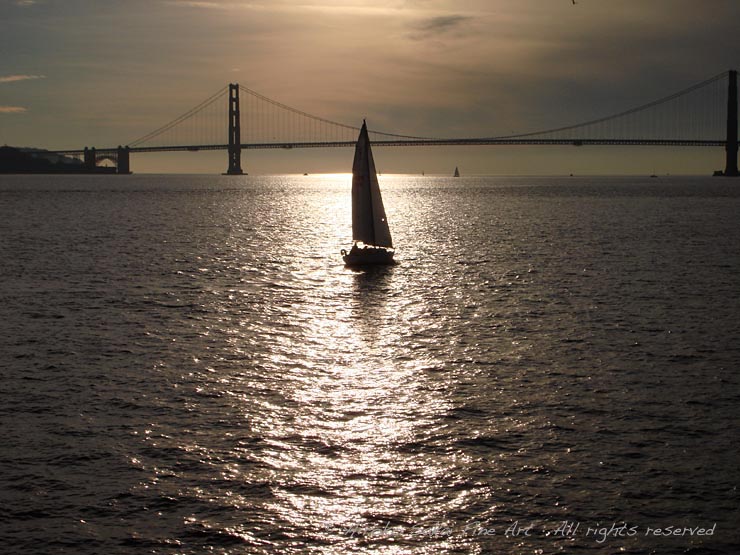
(702, 115)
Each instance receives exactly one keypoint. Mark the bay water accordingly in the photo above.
(186, 366)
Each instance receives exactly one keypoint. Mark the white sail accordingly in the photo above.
(369, 222)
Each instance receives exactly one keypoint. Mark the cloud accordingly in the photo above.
(434, 27)
(13, 78)
(359, 8)
(196, 4)
(441, 23)
(12, 109)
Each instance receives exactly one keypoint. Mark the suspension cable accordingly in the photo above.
(323, 120)
(207, 102)
(620, 114)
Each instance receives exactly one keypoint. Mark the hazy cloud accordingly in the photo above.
(12, 78)
(12, 109)
(296, 8)
(442, 23)
(435, 27)
(197, 4)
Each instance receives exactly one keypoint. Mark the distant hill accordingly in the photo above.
(34, 160)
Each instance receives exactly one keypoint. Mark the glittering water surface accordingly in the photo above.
(187, 367)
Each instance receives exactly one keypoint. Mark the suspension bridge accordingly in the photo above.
(703, 115)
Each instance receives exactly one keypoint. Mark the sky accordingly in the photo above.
(104, 72)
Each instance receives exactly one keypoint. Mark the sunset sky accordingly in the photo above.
(104, 72)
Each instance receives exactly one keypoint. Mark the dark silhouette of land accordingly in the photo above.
(17, 160)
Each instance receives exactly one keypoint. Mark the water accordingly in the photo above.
(187, 367)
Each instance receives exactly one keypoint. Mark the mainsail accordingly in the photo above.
(369, 223)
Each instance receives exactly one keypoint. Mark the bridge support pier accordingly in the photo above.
(731, 144)
(122, 160)
(235, 141)
(89, 160)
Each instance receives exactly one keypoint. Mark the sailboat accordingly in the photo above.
(371, 236)
(457, 172)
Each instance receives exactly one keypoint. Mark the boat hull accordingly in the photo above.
(367, 257)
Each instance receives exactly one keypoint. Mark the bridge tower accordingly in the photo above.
(122, 160)
(89, 159)
(235, 141)
(731, 144)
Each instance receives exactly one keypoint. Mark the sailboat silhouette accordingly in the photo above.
(371, 236)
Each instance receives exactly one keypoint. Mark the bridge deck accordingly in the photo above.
(426, 142)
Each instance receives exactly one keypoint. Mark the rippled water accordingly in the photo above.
(187, 367)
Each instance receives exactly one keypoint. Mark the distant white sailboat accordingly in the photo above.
(371, 236)
(457, 172)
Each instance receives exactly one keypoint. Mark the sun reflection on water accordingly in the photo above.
(362, 406)
(340, 398)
